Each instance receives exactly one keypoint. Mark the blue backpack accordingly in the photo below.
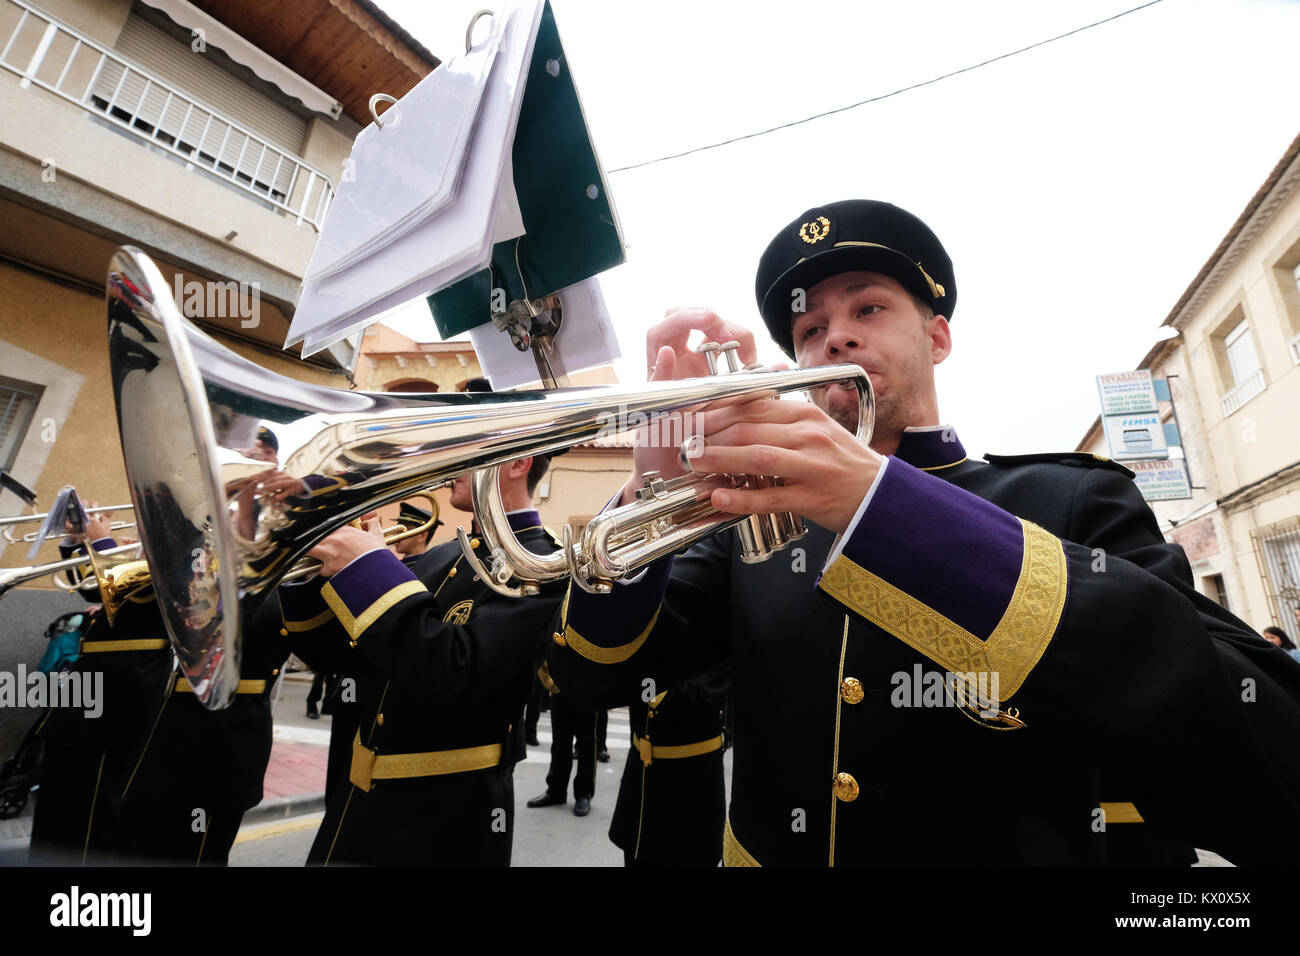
(64, 635)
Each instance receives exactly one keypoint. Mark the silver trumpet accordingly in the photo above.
(218, 529)
(12, 577)
(7, 525)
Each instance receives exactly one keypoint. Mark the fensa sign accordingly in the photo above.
(1135, 437)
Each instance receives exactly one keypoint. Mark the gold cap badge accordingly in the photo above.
(815, 231)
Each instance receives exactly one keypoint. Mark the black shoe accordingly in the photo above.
(603, 755)
(547, 799)
(312, 714)
(581, 807)
(533, 741)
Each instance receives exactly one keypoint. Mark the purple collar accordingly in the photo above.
(931, 448)
(519, 520)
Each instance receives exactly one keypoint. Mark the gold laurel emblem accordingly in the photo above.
(459, 613)
(815, 231)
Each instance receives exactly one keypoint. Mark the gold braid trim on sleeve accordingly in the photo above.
(608, 655)
(355, 626)
(733, 854)
(1016, 644)
(311, 623)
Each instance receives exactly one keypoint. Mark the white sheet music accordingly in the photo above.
(407, 168)
(456, 241)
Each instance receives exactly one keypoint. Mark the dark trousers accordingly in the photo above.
(602, 724)
(568, 722)
(533, 710)
(77, 811)
(179, 836)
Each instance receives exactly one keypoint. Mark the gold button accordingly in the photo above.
(558, 638)
(379, 719)
(474, 542)
(451, 573)
(275, 671)
(846, 788)
(851, 690)
(283, 632)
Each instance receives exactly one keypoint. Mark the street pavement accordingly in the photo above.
(548, 836)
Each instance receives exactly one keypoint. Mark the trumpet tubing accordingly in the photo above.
(6, 524)
(12, 577)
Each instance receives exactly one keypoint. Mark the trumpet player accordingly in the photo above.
(959, 649)
(443, 666)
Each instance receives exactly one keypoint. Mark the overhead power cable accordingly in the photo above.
(882, 96)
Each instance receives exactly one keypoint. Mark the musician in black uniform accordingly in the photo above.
(88, 755)
(198, 770)
(672, 799)
(341, 689)
(443, 666)
(940, 671)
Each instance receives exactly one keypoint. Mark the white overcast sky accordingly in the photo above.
(1078, 187)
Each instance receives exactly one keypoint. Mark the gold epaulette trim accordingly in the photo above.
(367, 766)
(245, 686)
(733, 854)
(1016, 644)
(1121, 813)
(135, 644)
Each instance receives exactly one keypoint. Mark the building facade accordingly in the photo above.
(1236, 358)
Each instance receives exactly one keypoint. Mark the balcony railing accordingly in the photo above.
(1295, 350)
(1243, 393)
(160, 114)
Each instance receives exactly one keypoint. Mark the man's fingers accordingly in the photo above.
(663, 366)
(724, 414)
(758, 501)
(751, 459)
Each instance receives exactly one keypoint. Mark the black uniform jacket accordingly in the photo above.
(90, 752)
(672, 805)
(193, 757)
(1040, 582)
(442, 663)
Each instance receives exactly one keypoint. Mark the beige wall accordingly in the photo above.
(101, 20)
(581, 482)
(66, 328)
(1262, 435)
(325, 148)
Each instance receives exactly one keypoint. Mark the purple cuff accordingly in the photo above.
(945, 547)
(71, 551)
(368, 587)
(612, 620)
